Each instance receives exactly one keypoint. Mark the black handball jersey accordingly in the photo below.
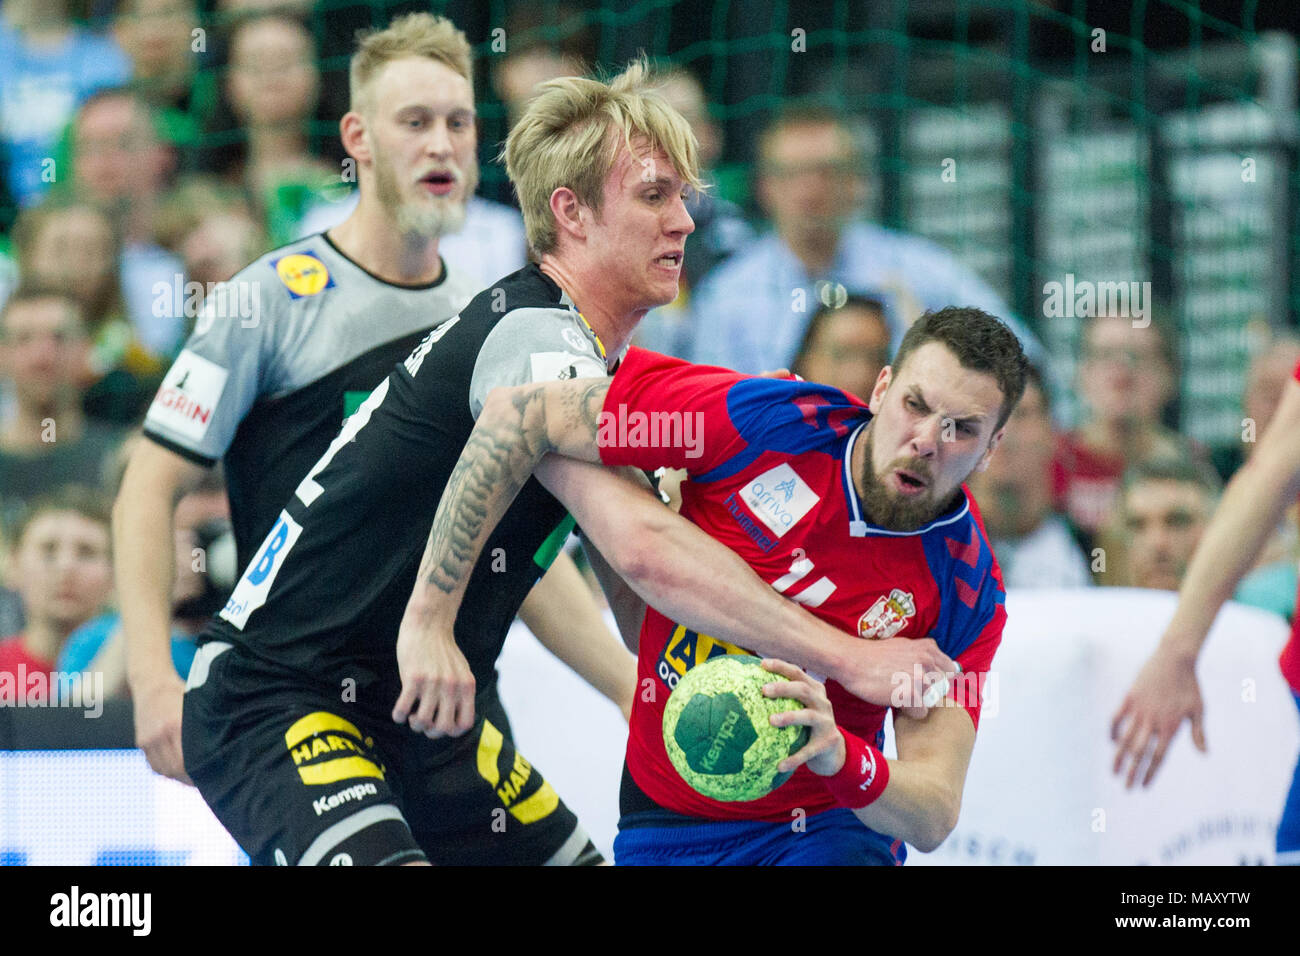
(279, 357)
(324, 594)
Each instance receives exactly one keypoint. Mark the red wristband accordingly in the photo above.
(863, 777)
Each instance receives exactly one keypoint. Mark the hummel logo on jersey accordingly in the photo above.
(416, 358)
(868, 768)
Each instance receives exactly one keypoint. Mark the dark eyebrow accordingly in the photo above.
(968, 420)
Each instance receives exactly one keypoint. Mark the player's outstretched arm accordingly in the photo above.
(515, 428)
(561, 611)
(1165, 691)
(915, 798)
(144, 566)
(690, 577)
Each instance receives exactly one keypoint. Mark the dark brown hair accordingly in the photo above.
(981, 343)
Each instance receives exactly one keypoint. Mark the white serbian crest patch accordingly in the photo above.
(888, 615)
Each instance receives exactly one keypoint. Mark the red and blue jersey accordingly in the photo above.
(768, 461)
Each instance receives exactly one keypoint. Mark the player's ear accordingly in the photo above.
(988, 452)
(878, 392)
(352, 131)
(567, 210)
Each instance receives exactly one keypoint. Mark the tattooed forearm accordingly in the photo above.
(508, 441)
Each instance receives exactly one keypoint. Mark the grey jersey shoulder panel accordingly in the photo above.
(534, 345)
(293, 327)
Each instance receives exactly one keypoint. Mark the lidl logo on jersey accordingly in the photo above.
(685, 649)
(888, 615)
(302, 274)
(188, 396)
(779, 498)
(251, 591)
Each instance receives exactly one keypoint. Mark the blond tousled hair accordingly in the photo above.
(416, 34)
(566, 138)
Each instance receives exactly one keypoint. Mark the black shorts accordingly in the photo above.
(299, 777)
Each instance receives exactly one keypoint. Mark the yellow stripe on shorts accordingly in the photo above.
(489, 751)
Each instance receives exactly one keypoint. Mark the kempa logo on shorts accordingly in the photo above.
(102, 909)
(779, 498)
(357, 792)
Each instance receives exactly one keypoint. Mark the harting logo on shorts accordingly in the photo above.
(328, 749)
(509, 791)
(357, 792)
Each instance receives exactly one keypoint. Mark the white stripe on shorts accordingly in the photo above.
(347, 827)
(571, 849)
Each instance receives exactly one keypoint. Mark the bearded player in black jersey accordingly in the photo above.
(320, 323)
(302, 774)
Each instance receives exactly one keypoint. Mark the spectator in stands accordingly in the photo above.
(46, 441)
(72, 246)
(120, 163)
(11, 605)
(205, 574)
(720, 226)
(212, 228)
(1127, 379)
(543, 42)
(61, 567)
(1033, 544)
(160, 38)
(845, 345)
(272, 92)
(751, 312)
(1165, 505)
(48, 66)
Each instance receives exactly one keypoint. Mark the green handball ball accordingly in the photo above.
(717, 732)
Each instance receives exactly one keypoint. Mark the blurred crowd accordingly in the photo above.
(168, 147)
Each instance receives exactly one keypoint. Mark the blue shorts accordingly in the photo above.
(1288, 830)
(833, 838)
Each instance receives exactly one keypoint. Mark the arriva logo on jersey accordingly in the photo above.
(888, 615)
(251, 591)
(779, 498)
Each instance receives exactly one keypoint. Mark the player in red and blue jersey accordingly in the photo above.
(856, 511)
(1165, 691)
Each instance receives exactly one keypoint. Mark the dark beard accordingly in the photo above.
(885, 509)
